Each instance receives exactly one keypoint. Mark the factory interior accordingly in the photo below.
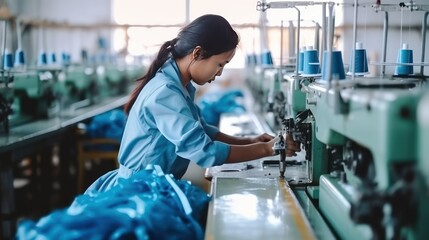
(347, 79)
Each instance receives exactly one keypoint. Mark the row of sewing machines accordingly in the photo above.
(48, 91)
(365, 147)
(364, 143)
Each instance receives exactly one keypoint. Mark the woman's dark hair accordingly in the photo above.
(212, 33)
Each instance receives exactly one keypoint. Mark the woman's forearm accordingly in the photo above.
(242, 153)
(233, 140)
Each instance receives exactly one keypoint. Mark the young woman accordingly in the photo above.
(164, 125)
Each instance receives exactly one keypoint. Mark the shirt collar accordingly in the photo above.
(171, 69)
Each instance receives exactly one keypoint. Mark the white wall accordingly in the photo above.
(58, 39)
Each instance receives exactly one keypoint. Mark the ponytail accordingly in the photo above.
(166, 50)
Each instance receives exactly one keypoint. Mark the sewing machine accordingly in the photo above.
(297, 123)
(6, 100)
(115, 80)
(28, 93)
(36, 95)
(80, 85)
(273, 104)
(365, 134)
(295, 96)
(422, 185)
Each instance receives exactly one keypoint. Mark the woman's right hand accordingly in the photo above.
(270, 146)
(292, 146)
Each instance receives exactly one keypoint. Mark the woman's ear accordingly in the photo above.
(197, 52)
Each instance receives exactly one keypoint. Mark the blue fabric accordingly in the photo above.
(213, 104)
(165, 128)
(136, 208)
(110, 124)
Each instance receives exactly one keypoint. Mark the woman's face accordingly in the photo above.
(205, 70)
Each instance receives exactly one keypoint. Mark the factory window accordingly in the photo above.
(154, 22)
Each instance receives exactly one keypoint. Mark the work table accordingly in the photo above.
(255, 208)
(32, 131)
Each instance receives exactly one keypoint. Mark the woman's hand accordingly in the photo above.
(271, 143)
(292, 146)
(262, 138)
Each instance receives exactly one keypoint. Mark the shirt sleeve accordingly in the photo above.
(179, 125)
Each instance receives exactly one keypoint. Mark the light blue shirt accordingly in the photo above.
(165, 128)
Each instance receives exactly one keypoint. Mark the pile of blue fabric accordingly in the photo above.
(110, 124)
(149, 205)
(213, 104)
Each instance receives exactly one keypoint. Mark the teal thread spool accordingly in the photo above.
(405, 55)
(337, 66)
(7, 60)
(43, 59)
(66, 59)
(53, 58)
(361, 61)
(266, 58)
(311, 62)
(19, 57)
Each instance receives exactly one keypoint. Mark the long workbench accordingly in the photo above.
(39, 136)
(256, 208)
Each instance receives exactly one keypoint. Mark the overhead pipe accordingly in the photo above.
(424, 42)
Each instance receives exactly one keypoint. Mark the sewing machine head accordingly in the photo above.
(282, 95)
(295, 88)
(116, 79)
(26, 96)
(422, 185)
(36, 96)
(80, 84)
(6, 100)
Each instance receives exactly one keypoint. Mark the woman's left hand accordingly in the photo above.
(262, 138)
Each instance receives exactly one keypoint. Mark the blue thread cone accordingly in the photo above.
(311, 61)
(7, 60)
(266, 58)
(53, 58)
(405, 55)
(361, 61)
(43, 59)
(337, 66)
(66, 59)
(19, 58)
